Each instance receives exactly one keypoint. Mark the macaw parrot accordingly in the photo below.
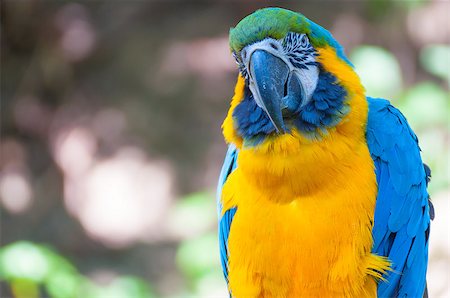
(323, 192)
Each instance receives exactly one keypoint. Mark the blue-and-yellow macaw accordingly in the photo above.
(323, 190)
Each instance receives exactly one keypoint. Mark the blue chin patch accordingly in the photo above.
(325, 109)
(253, 124)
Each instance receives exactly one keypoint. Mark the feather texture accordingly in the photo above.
(225, 220)
(402, 218)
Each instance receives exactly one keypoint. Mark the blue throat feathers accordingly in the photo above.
(325, 110)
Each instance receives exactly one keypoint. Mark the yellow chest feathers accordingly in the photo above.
(301, 230)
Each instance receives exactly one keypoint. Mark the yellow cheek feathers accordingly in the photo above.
(228, 128)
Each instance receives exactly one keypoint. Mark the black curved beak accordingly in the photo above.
(268, 75)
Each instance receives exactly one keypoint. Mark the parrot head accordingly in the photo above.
(293, 77)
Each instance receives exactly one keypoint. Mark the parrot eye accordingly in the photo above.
(241, 65)
(304, 41)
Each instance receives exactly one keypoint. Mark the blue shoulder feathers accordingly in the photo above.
(402, 213)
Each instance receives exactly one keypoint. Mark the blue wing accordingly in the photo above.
(402, 212)
(229, 165)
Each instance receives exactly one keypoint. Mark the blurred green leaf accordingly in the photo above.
(63, 284)
(123, 286)
(379, 71)
(193, 214)
(24, 288)
(436, 154)
(377, 8)
(89, 289)
(411, 5)
(24, 260)
(128, 286)
(198, 256)
(26, 265)
(425, 105)
(436, 60)
(211, 284)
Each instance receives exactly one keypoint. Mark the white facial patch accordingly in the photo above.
(298, 54)
(309, 78)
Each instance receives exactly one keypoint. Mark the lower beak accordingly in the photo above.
(268, 76)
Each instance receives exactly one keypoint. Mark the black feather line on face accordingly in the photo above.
(241, 66)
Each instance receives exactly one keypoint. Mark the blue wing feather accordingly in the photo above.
(402, 213)
(229, 164)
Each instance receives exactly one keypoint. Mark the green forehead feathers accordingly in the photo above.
(276, 23)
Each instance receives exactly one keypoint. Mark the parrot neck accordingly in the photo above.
(292, 166)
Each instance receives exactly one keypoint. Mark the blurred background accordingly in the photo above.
(111, 142)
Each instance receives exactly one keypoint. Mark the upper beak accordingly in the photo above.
(268, 76)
